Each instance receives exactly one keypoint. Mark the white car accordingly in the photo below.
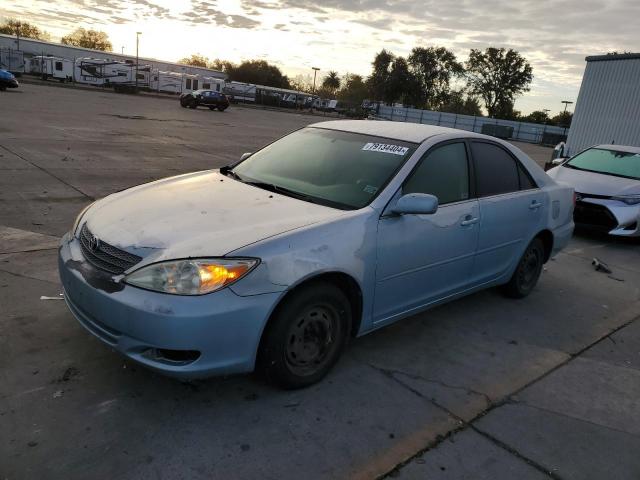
(606, 180)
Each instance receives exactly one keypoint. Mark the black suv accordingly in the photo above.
(208, 98)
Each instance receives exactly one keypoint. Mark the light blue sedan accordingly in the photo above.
(329, 233)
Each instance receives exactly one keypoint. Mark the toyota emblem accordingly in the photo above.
(94, 243)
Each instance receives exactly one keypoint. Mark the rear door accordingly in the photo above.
(423, 258)
(511, 209)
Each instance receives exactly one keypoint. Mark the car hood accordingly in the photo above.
(200, 214)
(595, 183)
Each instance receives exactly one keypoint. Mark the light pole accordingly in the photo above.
(566, 104)
(122, 50)
(313, 92)
(137, 58)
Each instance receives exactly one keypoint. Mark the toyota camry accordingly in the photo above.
(333, 231)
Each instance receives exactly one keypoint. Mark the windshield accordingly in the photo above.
(338, 169)
(608, 162)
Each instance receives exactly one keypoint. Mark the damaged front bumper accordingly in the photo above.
(185, 337)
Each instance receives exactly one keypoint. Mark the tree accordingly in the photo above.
(354, 90)
(537, 116)
(563, 119)
(221, 65)
(498, 76)
(457, 102)
(331, 82)
(434, 68)
(403, 84)
(259, 72)
(378, 81)
(12, 26)
(195, 60)
(93, 39)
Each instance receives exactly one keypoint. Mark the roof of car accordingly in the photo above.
(620, 148)
(407, 132)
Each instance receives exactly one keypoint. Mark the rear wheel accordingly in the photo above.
(193, 104)
(222, 109)
(306, 336)
(527, 272)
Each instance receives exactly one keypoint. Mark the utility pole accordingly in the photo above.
(566, 104)
(313, 92)
(137, 58)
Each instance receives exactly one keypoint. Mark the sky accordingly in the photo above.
(344, 35)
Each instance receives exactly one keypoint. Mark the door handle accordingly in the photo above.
(535, 205)
(469, 220)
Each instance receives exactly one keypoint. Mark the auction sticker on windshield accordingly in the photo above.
(385, 148)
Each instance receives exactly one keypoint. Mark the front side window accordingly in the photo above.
(496, 170)
(608, 162)
(443, 172)
(339, 169)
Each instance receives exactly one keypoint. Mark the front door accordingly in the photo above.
(424, 258)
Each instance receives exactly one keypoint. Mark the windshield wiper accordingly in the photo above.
(282, 190)
(227, 172)
(568, 165)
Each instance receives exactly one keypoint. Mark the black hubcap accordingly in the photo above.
(529, 268)
(311, 339)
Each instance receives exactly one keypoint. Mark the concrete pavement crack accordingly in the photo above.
(42, 169)
(463, 425)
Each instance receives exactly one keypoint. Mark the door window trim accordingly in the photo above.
(519, 167)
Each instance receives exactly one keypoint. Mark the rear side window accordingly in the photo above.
(526, 182)
(443, 172)
(496, 170)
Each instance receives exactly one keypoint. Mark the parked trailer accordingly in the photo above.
(167, 82)
(211, 83)
(52, 67)
(98, 71)
(190, 83)
(240, 92)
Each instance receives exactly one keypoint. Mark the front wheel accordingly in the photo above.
(306, 336)
(222, 109)
(527, 272)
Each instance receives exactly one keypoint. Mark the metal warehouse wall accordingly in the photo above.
(36, 47)
(608, 106)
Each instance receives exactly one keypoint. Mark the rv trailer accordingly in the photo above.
(52, 67)
(166, 82)
(240, 92)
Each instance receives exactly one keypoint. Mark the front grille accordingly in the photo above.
(594, 216)
(104, 256)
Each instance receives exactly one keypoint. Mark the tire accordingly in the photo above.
(222, 109)
(212, 108)
(527, 272)
(306, 336)
(192, 104)
(2, 88)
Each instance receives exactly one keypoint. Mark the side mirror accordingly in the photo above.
(557, 161)
(416, 203)
(245, 155)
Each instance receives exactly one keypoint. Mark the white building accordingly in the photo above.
(608, 106)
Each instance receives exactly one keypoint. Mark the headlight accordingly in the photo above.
(191, 276)
(79, 218)
(628, 199)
